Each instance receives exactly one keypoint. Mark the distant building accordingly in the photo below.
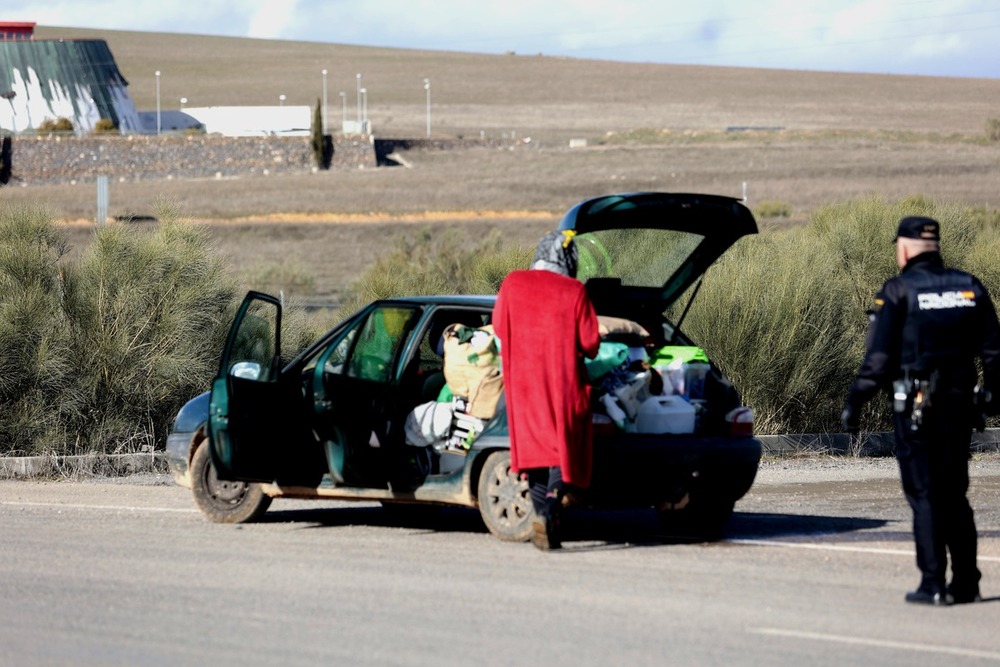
(278, 121)
(48, 79)
(16, 30)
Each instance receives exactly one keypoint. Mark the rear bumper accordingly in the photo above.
(641, 470)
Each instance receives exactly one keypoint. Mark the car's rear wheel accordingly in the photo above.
(504, 500)
(222, 501)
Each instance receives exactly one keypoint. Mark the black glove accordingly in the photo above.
(849, 420)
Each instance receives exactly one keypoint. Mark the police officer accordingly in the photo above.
(926, 329)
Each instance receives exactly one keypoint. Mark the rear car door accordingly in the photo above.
(358, 401)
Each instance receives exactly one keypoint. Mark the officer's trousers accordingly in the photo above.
(934, 469)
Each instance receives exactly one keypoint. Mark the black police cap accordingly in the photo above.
(919, 227)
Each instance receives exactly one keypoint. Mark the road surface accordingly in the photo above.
(819, 555)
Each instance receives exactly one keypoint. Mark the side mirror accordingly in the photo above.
(247, 370)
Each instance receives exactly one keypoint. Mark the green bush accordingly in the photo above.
(784, 313)
(105, 126)
(993, 129)
(773, 209)
(277, 277)
(35, 341)
(148, 310)
(321, 143)
(50, 125)
(437, 263)
(99, 354)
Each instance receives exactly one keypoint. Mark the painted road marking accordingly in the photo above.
(838, 547)
(878, 643)
(76, 506)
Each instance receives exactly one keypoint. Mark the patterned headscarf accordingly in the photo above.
(557, 252)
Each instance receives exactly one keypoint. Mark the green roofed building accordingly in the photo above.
(48, 79)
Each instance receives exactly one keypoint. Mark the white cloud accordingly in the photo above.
(904, 36)
(272, 18)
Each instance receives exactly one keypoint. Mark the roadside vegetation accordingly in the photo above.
(98, 353)
(99, 349)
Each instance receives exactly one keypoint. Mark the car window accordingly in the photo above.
(377, 343)
(255, 338)
(639, 257)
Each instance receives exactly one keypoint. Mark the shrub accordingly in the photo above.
(773, 209)
(148, 309)
(57, 125)
(278, 277)
(437, 263)
(993, 129)
(34, 339)
(98, 355)
(321, 143)
(105, 126)
(784, 313)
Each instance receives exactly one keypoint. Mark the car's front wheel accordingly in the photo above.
(222, 501)
(504, 500)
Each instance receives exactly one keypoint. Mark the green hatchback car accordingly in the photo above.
(337, 421)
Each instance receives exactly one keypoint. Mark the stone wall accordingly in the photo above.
(49, 160)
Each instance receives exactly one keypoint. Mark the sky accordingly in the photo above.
(921, 37)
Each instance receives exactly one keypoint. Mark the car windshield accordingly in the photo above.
(639, 257)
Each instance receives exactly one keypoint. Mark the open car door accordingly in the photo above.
(246, 405)
(358, 402)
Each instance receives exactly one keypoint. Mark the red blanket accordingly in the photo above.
(546, 325)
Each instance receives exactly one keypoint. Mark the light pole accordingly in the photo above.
(281, 100)
(324, 102)
(364, 111)
(184, 101)
(359, 99)
(427, 87)
(343, 110)
(158, 103)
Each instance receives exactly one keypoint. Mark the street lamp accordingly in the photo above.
(427, 87)
(158, 124)
(359, 98)
(281, 100)
(364, 111)
(184, 101)
(343, 110)
(324, 102)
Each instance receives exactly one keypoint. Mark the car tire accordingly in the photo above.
(504, 500)
(222, 501)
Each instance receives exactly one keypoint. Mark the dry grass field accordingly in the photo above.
(829, 137)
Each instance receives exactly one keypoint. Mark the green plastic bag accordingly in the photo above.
(683, 353)
(609, 356)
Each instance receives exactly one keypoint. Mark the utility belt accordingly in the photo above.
(915, 393)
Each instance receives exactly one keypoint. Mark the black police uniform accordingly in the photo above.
(929, 324)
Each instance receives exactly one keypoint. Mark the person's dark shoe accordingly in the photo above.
(960, 595)
(544, 533)
(926, 597)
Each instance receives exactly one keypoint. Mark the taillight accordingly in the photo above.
(740, 421)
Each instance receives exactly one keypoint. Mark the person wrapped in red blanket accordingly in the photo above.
(547, 325)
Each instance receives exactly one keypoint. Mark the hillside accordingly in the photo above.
(533, 95)
(830, 137)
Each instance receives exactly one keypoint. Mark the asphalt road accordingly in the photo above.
(126, 572)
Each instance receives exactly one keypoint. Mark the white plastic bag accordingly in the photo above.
(428, 423)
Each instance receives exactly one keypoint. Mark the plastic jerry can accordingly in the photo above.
(665, 414)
